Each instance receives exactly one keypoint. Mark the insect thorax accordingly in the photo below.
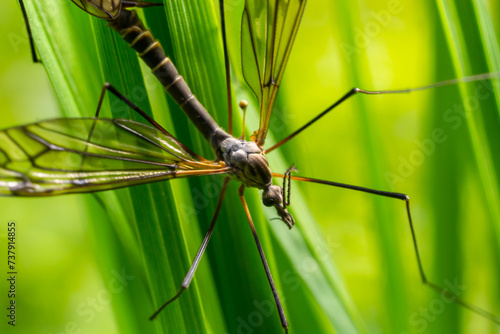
(248, 161)
(251, 167)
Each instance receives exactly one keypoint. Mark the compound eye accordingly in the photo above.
(272, 196)
(267, 201)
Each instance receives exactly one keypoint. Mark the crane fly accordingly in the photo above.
(36, 134)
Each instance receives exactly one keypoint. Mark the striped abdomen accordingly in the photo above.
(130, 27)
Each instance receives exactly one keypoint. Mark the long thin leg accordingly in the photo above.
(226, 66)
(444, 291)
(189, 276)
(355, 91)
(139, 4)
(284, 323)
(30, 36)
(109, 87)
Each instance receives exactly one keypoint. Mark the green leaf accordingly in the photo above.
(152, 232)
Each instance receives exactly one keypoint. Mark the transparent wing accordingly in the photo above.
(268, 29)
(103, 9)
(109, 9)
(85, 154)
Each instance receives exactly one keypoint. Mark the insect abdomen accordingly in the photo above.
(130, 27)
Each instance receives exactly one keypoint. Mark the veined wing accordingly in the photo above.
(103, 9)
(59, 156)
(109, 9)
(268, 29)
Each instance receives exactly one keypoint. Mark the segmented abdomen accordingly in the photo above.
(132, 30)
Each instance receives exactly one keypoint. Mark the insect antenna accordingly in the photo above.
(287, 175)
(354, 91)
(450, 295)
(189, 276)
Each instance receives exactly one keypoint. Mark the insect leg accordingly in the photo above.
(354, 91)
(226, 66)
(284, 322)
(139, 4)
(109, 87)
(30, 36)
(443, 291)
(189, 277)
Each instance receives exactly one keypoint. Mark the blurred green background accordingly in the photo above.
(70, 249)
